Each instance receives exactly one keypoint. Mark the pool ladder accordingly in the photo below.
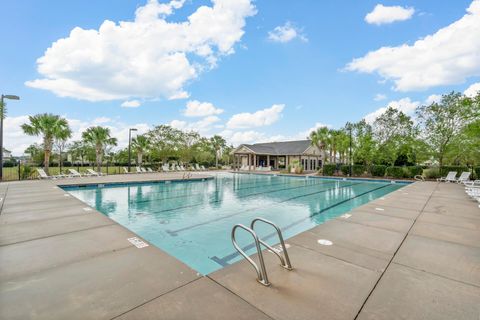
(262, 272)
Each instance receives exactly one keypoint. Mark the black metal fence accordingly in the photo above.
(29, 172)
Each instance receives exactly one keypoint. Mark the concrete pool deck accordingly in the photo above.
(413, 254)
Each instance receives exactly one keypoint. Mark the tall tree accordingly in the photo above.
(141, 145)
(99, 138)
(50, 127)
(393, 131)
(218, 144)
(442, 122)
(321, 139)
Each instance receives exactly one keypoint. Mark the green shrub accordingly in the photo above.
(329, 169)
(431, 173)
(414, 171)
(444, 170)
(477, 172)
(358, 170)
(9, 164)
(396, 172)
(345, 169)
(378, 170)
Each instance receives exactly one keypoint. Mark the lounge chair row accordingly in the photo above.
(452, 177)
(472, 188)
(72, 174)
(246, 168)
(165, 168)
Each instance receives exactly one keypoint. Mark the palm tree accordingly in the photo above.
(99, 138)
(141, 144)
(51, 127)
(321, 139)
(217, 143)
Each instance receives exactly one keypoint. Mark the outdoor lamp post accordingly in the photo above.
(349, 126)
(2, 105)
(129, 147)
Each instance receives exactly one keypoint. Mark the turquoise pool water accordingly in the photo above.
(192, 220)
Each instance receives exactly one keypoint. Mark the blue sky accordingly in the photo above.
(249, 70)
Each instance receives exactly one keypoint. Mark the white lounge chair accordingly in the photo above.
(197, 167)
(43, 175)
(203, 168)
(74, 173)
(93, 173)
(451, 177)
(173, 167)
(138, 169)
(149, 170)
(143, 170)
(182, 168)
(165, 168)
(465, 176)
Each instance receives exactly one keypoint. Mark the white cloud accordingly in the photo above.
(200, 109)
(260, 118)
(306, 133)
(405, 105)
(203, 126)
(433, 99)
(387, 14)
(286, 33)
(239, 137)
(379, 97)
(149, 57)
(130, 104)
(472, 90)
(449, 56)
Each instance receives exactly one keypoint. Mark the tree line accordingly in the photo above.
(442, 133)
(446, 132)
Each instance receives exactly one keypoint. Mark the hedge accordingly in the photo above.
(444, 170)
(378, 170)
(396, 172)
(329, 169)
(414, 171)
(477, 172)
(358, 170)
(345, 169)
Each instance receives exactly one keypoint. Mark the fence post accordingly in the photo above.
(19, 172)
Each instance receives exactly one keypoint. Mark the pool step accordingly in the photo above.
(262, 271)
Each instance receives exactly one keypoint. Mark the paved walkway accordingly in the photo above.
(414, 254)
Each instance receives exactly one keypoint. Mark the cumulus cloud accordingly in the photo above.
(260, 118)
(149, 57)
(433, 98)
(449, 56)
(286, 33)
(130, 104)
(16, 141)
(203, 126)
(200, 109)
(387, 14)
(472, 90)
(405, 105)
(379, 97)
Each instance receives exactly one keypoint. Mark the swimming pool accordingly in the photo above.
(192, 220)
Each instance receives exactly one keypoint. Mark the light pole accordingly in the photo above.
(2, 105)
(349, 126)
(129, 147)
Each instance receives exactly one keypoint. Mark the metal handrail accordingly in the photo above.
(283, 262)
(261, 273)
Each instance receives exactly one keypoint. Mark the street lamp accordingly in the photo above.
(2, 105)
(129, 147)
(349, 127)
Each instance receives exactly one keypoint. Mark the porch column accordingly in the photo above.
(268, 160)
(286, 162)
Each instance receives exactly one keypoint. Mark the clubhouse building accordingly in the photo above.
(277, 155)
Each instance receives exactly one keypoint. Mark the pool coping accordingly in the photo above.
(223, 283)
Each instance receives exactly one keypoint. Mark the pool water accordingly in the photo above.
(192, 220)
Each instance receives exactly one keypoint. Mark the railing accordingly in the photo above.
(262, 272)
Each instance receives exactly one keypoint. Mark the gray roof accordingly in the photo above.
(280, 148)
